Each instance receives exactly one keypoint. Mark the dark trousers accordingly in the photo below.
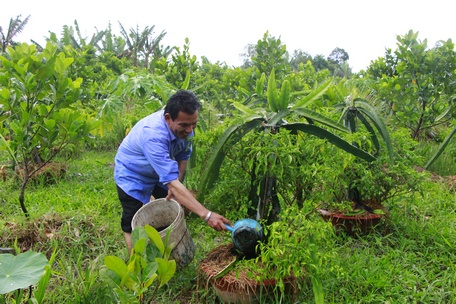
(131, 205)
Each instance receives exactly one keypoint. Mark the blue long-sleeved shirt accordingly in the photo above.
(148, 156)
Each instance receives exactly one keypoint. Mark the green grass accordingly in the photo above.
(411, 260)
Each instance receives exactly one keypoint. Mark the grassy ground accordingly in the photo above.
(410, 260)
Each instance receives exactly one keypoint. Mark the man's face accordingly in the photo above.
(183, 125)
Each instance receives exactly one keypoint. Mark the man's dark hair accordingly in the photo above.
(182, 101)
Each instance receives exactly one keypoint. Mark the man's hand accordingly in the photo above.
(182, 195)
(170, 195)
(217, 222)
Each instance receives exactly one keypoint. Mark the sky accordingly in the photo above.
(220, 30)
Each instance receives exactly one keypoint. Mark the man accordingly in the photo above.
(152, 159)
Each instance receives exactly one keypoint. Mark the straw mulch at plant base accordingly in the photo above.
(217, 269)
(235, 280)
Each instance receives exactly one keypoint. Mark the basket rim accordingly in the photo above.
(155, 202)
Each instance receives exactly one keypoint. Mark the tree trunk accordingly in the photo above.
(22, 196)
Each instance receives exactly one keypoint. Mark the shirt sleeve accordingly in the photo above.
(185, 153)
(156, 150)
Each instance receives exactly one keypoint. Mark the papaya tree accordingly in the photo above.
(40, 112)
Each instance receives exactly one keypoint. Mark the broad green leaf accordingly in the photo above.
(5, 145)
(138, 233)
(150, 281)
(116, 264)
(5, 93)
(140, 245)
(77, 83)
(317, 289)
(166, 270)
(154, 236)
(49, 123)
(21, 271)
(62, 63)
(443, 114)
(110, 277)
(150, 273)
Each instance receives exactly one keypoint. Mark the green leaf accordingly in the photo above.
(5, 93)
(186, 82)
(77, 83)
(110, 277)
(275, 119)
(370, 112)
(273, 97)
(244, 109)
(317, 289)
(21, 271)
(62, 63)
(259, 88)
(284, 95)
(116, 264)
(40, 289)
(5, 144)
(441, 148)
(314, 95)
(330, 137)
(370, 129)
(151, 280)
(314, 116)
(150, 274)
(49, 123)
(154, 236)
(140, 245)
(232, 135)
(166, 270)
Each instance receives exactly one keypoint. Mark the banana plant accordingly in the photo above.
(258, 117)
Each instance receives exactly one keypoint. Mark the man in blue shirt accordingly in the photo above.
(152, 160)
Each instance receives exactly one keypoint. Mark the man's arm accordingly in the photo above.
(181, 194)
(182, 166)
